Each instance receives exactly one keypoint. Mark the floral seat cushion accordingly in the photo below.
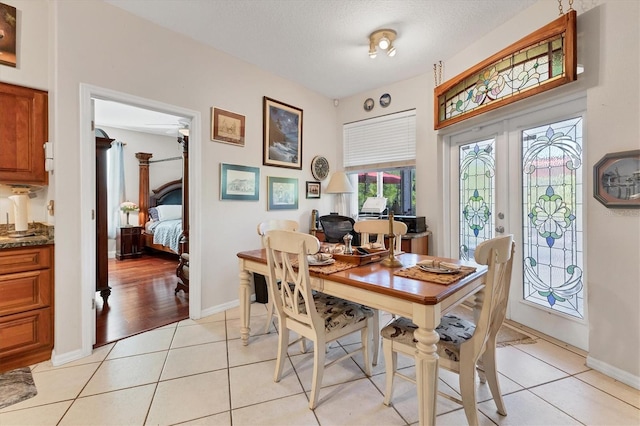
(453, 332)
(338, 313)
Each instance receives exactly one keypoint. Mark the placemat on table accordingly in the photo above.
(416, 273)
(336, 266)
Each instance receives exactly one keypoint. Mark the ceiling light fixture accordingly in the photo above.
(384, 40)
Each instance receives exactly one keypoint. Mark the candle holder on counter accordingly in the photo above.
(391, 261)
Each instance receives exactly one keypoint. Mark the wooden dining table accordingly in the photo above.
(377, 286)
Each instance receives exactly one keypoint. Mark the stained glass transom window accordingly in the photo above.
(541, 61)
(552, 216)
(476, 195)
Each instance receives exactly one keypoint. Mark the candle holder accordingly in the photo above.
(391, 261)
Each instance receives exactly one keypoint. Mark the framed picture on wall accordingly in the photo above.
(239, 182)
(283, 193)
(616, 180)
(282, 134)
(313, 189)
(8, 31)
(227, 127)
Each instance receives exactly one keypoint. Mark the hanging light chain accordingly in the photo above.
(437, 73)
(560, 7)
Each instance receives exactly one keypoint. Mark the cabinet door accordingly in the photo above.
(23, 132)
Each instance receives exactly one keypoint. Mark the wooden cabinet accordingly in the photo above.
(129, 242)
(23, 132)
(26, 306)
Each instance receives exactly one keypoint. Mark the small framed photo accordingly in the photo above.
(227, 127)
(239, 182)
(282, 135)
(616, 180)
(283, 193)
(313, 189)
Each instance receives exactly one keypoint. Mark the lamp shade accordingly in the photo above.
(339, 184)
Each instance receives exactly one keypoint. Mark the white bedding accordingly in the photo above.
(166, 232)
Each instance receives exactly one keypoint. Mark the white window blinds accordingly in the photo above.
(380, 143)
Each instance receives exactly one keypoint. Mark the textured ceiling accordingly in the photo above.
(323, 44)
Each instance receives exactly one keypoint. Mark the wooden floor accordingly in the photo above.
(142, 297)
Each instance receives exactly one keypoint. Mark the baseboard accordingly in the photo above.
(221, 308)
(67, 357)
(614, 372)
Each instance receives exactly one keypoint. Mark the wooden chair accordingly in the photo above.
(263, 228)
(380, 228)
(314, 316)
(462, 343)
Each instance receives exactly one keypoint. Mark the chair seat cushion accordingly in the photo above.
(453, 331)
(339, 313)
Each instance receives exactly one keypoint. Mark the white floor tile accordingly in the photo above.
(60, 384)
(257, 309)
(44, 415)
(526, 409)
(222, 419)
(259, 349)
(253, 383)
(98, 355)
(357, 402)
(220, 316)
(588, 404)
(190, 398)
(292, 410)
(341, 372)
(126, 372)
(525, 369)
(197, 334)
(611, 386)
(194, 360)
(123, 407)
(560, 358)
(151, 341)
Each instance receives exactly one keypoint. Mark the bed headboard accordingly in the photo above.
(169, 193)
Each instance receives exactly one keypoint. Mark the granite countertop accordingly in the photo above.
(40, 234)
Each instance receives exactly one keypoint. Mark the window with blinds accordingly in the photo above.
(381, 154)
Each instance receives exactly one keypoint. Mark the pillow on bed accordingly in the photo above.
(153, 214)
(169, 212)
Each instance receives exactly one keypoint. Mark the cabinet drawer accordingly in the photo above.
(24, 291)
(27, 331)
(25, 259)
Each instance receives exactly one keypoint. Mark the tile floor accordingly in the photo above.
(198, 373)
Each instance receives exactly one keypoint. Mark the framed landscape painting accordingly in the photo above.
(282, 135)
(283, 193)
(8, 24)
(227, 127)
(239, 182)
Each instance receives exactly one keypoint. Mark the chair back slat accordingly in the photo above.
(268, 225)
(293, 298)
(497, 254)
(380, 228)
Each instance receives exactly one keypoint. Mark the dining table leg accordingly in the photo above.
(245, 305)
(427, 364)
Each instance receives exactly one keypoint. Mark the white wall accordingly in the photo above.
(612, 237)
(91, 47)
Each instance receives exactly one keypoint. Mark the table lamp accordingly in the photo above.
(340, 185)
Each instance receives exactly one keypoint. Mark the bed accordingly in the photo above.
(164, 211)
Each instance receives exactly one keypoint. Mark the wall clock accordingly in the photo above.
(319, 167)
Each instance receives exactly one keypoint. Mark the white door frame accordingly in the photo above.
(88, 196)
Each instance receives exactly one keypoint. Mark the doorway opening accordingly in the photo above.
(88, 94)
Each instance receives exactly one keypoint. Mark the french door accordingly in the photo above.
(523, 175)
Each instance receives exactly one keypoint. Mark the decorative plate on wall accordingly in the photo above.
(385, 100)
(368, 104)
(319, 167)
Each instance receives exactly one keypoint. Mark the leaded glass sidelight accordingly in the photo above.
(552, 216)
(477, 195)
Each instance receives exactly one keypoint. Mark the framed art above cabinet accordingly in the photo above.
(23, 132)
